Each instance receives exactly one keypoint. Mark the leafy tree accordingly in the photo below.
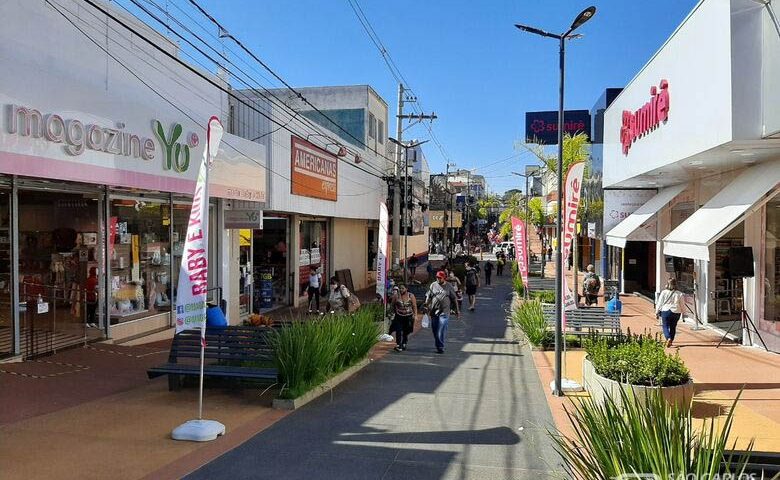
(485, 204)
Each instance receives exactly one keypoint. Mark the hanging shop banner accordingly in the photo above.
(381, 258)
(518, 232)
(572, 190)
(194, 269)
(315, 171)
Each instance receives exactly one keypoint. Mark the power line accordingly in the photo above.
(201, 75)
(224, 32)
(204, 54)
(167, 100)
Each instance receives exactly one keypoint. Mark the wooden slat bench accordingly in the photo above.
(234, 351)
(586, 320)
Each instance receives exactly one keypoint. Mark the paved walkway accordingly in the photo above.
(476, 412)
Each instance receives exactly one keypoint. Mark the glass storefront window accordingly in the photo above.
(140, 256)
(59, 264)
(772, 261)
(270, 275)
(6, 299)
(181, 215)
(312, 252)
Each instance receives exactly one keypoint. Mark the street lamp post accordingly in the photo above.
(407, 194)
(583, 17)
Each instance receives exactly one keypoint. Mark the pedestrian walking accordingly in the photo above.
(500, 262)
(431, 273)
(438, 302)
(413, 261)
(549, 254)
(488, 272)
(472, 282)
(315, 283)
(669, 307)
(453, 280)
(591, 285)
(405, 309)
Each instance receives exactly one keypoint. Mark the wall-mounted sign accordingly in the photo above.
(542, 127)
(243, 219)
(643, 121)
(437, 217)
(314, 171)
(619, 204)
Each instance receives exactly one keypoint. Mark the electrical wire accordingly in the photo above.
(204, 54)
(227, 34)
(167, 100)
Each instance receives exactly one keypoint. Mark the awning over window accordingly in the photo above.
(726, 209)
(618, 236)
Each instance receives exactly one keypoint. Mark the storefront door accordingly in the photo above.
(6, 294)
(271, 280)
(312, 252)
(59, 266)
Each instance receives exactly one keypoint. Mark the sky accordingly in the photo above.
(464, 59)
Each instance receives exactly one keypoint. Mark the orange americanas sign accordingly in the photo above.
(315, 172)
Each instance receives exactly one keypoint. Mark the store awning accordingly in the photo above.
(618, 236)
(750, 190)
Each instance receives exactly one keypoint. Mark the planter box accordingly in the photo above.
(295, 403)
(598, 387)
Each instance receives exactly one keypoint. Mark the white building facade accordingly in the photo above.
(699, 124)
(101, 138)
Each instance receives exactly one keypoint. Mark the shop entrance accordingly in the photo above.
(639, 268)
(727, 294)
(313, 252)
(59, 266)
(270, 282)
(6, 297)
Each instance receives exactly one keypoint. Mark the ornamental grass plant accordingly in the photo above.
(629, 438)
(307, 353)
(529, 319)
(636, 360)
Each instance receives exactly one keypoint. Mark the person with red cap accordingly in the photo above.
(439, 300)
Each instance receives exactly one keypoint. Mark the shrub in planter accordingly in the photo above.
(639, 360)
(544, 296)
(529, 319)
(624, 437)
(306, 353)
(517, 284)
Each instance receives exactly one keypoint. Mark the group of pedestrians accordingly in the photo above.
(443, 298)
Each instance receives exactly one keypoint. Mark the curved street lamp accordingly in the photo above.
(583, 17)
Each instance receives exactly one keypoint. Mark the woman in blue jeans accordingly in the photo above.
(669, 307)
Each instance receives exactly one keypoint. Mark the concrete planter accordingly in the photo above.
(295, 403)
(599, 387)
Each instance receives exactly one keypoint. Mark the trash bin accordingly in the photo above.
(215, 318)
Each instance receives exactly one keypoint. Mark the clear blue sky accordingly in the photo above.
(463, 58)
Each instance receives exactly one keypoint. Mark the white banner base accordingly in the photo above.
(198, 431)
(567, 386)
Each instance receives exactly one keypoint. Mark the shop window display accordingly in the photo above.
(312, 252)
(140, 258)
(58, 248)
(270, 279)
(772, 261)
(6, 312)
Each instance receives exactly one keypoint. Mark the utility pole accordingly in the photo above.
(399, 146)
(397, 190)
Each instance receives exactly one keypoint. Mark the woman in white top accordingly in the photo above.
(669, 307)
(315, 282)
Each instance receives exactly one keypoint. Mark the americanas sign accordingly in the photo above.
(643, 121)
(542, 127)
(315, 172)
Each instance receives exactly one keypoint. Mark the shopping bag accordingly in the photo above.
(426, 321)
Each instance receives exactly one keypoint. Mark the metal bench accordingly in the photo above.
(585, 321)
(234, 352)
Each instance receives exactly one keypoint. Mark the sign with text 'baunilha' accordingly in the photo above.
(194, 269)
(315, 172)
